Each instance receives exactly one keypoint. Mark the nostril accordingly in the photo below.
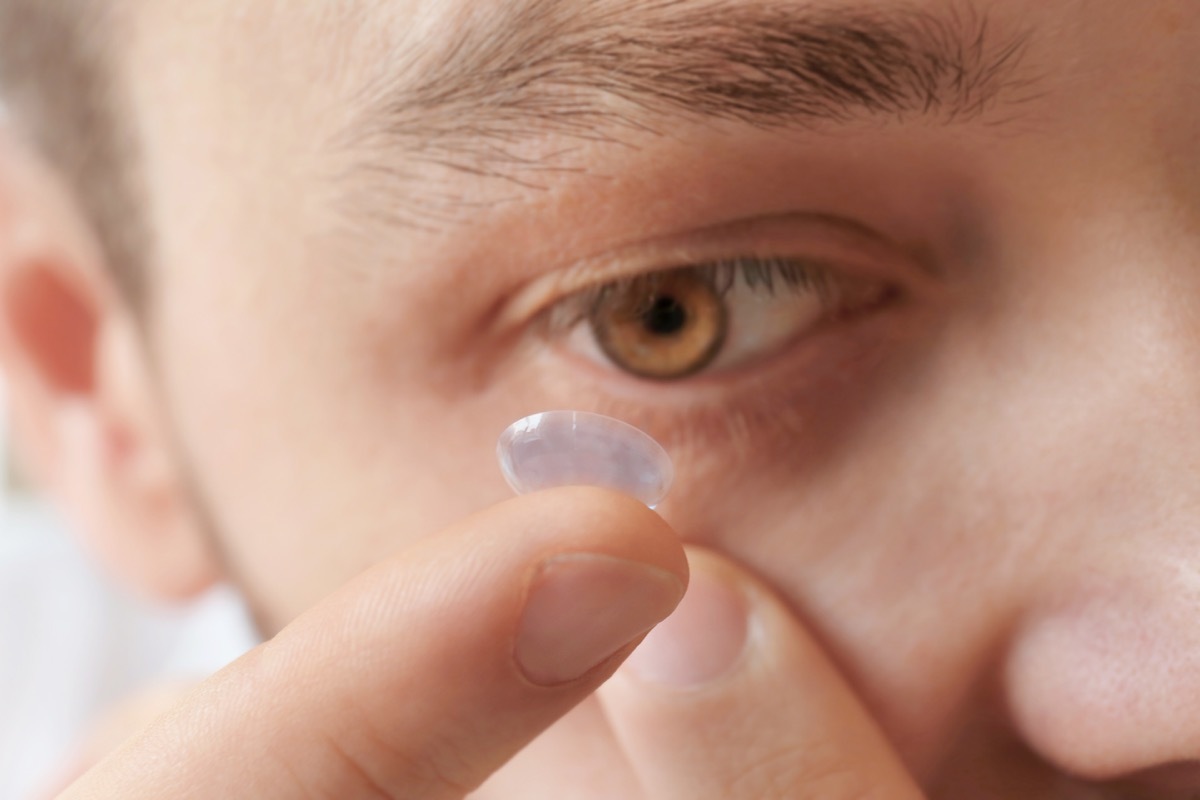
(1177, 781)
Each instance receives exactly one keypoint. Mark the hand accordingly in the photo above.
(731, 699)
(429, 672)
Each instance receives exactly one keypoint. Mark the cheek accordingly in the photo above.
(317, 456)
(967, 489)
(893, 546)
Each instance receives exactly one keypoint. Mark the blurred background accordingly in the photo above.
(74, 646)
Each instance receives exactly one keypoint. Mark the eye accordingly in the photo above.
(677, 323)
(673, 326)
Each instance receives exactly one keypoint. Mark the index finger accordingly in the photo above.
(429, 672)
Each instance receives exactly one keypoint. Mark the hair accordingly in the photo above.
(59, 81)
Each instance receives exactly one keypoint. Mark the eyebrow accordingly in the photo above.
(511, 71)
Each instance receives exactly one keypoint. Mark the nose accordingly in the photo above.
(1102, 675)
(1105, 683)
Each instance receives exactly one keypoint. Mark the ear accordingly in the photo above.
(85, 413)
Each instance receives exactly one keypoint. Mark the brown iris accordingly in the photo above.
(664, 326)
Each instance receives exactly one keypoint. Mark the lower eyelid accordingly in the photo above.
(784, 411)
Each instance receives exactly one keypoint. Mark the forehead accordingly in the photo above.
(429, 91)
(430, 23)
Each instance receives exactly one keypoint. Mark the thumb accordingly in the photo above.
(429, 672)
(731, 699)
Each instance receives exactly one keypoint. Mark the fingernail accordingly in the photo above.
(584, 608)
(700, 642)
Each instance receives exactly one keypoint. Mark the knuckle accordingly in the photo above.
(378, 769)
(364, 783)
(818, 771)
(449, 766)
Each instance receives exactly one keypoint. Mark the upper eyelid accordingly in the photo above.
(760, 237)
(766, 272)
(769, 274)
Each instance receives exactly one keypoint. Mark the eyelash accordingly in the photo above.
(768, 276)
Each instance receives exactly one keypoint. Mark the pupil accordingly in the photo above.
(666, 317)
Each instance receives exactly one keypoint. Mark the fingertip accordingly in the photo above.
(734, 679)
(704, 639)
(605, 522)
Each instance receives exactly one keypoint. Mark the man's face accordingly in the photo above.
(922, 340)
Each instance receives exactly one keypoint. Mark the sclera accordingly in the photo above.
(576, 448)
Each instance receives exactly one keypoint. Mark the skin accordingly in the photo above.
(963, 526)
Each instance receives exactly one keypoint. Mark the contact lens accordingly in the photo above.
(575, 448)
